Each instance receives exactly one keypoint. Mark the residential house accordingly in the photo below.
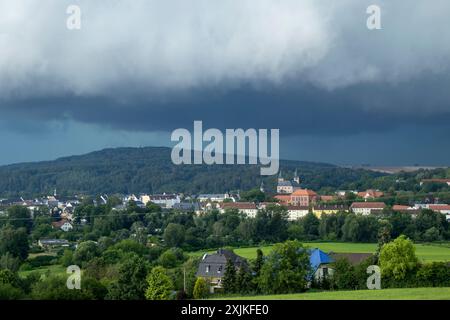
(321, 264)
(64, 225)
(247, 208)
(413, 211)
(442, 208)
(367, 208)
(370, 194)
(212, 267)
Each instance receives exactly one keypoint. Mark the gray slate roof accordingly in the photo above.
(213, 265)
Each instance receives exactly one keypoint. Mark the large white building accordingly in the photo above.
(164, 200)
(296, 212)
(214, 197)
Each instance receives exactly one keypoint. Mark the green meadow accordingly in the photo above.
(384, 294)
(425, 252)
(47, 270)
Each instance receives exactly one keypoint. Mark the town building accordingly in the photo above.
(220, 197)
(247, 208)
(367, 208)
(164, 200)
(303, 197)
(441, 208)
(370, 194)
(321, 209)
(414, 211)
(296, 212)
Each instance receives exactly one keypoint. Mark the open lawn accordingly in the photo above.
(425, 252)
(384, 294)
(52, 270)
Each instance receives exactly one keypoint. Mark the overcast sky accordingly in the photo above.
(137, 70)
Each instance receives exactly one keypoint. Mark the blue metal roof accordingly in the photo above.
(318, 257)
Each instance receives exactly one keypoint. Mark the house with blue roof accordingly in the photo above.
(320, 264)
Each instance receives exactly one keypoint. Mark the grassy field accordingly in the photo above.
(425, 252)
(385, 294)
(52, 270)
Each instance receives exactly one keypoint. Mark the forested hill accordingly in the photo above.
(149, 169)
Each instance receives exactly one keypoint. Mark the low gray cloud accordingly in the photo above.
(156, 47)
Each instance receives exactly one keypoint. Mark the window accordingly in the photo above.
(325, 272)
(207, 268)
(219, 270)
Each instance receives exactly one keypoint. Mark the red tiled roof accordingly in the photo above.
(327, 198)
(368, 205)
(304, 192)
(398, 207)
(238, 205)
(370, 193)
(438, 207)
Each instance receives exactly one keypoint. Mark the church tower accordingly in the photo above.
(280, 177)
(296, 177)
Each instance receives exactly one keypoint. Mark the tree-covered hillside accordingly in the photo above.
(150, 169)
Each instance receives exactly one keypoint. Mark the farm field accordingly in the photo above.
(425, 252)
(384, 294)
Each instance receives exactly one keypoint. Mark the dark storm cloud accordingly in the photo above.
(295, 110)
(306, 67)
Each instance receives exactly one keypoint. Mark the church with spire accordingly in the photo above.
(286, 186)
